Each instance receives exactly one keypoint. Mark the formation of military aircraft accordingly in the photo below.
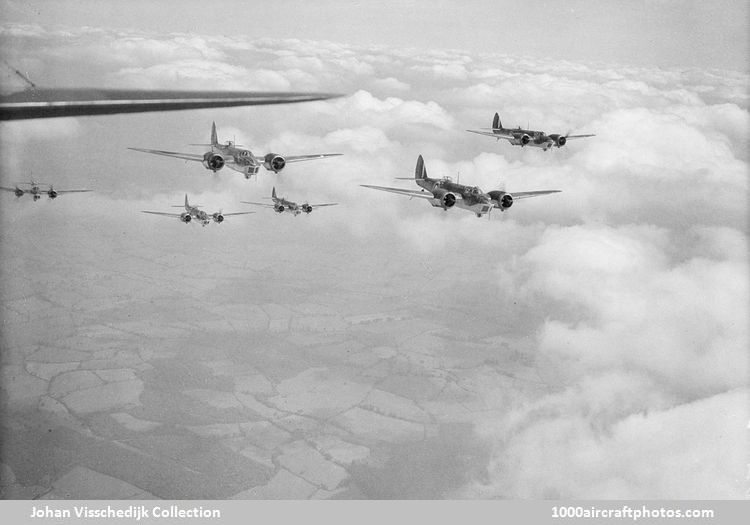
(39, 103)
(235, 157)
(35, 190)
(194, 213)
(444, 193)
(525, 137)
(280, 205)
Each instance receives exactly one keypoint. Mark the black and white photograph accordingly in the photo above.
(392, 250)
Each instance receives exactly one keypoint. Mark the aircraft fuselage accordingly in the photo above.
(36, 192)
(525, 137)
(472, 198)
(281, 205)
(244, 160)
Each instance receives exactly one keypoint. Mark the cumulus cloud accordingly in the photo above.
(645, 358)
(630, 306)
(689, 451)
(449, 71)
(390, 84)
(192, 74)
(141, 50)
(391, 111)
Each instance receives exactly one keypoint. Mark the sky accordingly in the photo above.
(656, 33)
(629, 289)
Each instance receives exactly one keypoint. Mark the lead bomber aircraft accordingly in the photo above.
(444, 193)
(237, 158)
(525, 137)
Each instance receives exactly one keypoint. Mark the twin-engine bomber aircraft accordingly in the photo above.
(280, 205)
(235, 157)
(525, 137)
(444, 193)
(36, 192)
(192, 212)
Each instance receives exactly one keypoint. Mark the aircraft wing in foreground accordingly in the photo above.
(75, 102)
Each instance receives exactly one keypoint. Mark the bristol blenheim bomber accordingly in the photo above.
(193, 214)
(525, 137)
(35, 190)
(444, 193)
(280, 205)
(235, 157)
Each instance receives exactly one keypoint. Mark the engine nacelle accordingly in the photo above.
(279, 208)
(504, 200)
(274, 162)
(525, 139)
(559, 140)
(306, 208)
(213, 161)
(218, 217)
(52, 194)
(186, 218)
(447, 199)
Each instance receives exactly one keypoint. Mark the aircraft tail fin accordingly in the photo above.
(496, 124)
(186, 205)
(214, 138)
(420, 172)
